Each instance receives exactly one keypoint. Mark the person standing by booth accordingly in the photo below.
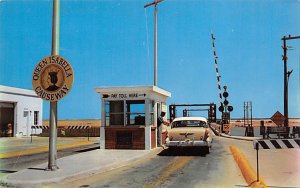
(160, 123)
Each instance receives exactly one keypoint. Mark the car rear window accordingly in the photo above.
(189, 123)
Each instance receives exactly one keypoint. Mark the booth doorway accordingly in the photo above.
(6, 117)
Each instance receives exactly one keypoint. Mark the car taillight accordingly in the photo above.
(206, 134)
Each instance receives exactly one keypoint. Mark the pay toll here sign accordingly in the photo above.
(133, 95)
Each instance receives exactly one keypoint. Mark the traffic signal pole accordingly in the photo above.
(286, 75)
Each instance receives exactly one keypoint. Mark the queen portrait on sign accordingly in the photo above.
(52, 80)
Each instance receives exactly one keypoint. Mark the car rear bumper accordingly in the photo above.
(188, 143)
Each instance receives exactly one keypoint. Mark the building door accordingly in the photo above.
(6, 118)
(27, 124)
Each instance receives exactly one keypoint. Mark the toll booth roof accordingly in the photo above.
(153, 90)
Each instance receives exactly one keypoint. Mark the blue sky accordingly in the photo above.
(110, 43)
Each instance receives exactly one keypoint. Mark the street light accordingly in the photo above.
(155, 37)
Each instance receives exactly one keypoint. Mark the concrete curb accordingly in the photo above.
(71, 171)
(246, 169)
(43, 149)
(240, 137)
(234, 137)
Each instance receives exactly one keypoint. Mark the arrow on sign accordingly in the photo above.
(105, 96)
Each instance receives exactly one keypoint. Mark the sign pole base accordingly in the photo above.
(53, 137)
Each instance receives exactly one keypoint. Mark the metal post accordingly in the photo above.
(244, 114)
(155, 37)
(31, 135)
(246, 127)
(257, 169)
(53, 105)
(251, 112)
(286, 109)
(53, 137)
(155, 45)
(89, 133)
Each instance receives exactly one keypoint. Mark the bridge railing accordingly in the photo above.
(216, 128)
(280, 131)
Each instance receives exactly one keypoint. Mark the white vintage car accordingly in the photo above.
(189, 132)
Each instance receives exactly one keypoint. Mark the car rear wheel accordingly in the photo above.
(207, 149)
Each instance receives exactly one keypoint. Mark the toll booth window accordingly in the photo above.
(36, 117)
(135, 112)
(114, 113)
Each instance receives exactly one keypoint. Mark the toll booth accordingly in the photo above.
(129, 114)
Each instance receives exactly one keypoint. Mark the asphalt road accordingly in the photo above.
(14, 164)
(178, 169)
(279, 168)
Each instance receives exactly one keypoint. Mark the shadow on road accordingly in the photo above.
(42, 169)
(88, 149)
(8, 171)
(183, 152)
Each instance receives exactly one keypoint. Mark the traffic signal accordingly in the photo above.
(221, 108)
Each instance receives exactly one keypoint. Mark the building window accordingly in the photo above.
(114, 113)
(135, 112)
(36, 117)
(124, 113)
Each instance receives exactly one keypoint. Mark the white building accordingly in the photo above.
(21, 108)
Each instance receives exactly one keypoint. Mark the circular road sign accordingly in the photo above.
(221, 108)
(52, 78)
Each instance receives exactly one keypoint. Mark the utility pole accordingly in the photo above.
(53, 104)
(286, 75)
(155, 37)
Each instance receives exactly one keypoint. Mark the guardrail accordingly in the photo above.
(216, 128)
(70, 131)
(280, 131)
(295, 130)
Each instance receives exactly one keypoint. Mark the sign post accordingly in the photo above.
(52, 79)
(257, 169)
(53, 104)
